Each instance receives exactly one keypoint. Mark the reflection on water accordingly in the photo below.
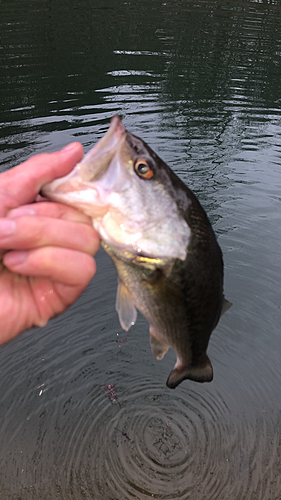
(84, 408)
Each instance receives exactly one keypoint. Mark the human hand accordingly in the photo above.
(46, 249)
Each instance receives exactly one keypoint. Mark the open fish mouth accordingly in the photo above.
(92, 167)
(97, 160)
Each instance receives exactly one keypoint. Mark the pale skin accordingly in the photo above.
(46, 249)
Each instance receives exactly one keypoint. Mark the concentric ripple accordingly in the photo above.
(145, 444)
(151, 443)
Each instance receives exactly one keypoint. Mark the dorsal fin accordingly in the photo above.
(225, 305)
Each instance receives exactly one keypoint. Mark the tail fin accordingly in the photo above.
(198, 373)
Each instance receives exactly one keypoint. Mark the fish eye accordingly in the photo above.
(143, 169)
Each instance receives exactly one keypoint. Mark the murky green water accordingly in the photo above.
(200, 82)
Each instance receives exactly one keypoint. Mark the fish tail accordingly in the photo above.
(198, 373)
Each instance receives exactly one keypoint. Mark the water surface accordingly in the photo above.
(200, 82)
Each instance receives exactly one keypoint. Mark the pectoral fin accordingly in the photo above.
(125, 307)
(158, 348)
(198, 373)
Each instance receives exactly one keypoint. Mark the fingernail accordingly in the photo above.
(7, 227)
(70, 147)
(16, 212)
(14, 258)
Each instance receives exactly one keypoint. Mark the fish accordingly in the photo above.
(168, 260)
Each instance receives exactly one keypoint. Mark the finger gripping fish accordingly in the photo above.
(168, 261)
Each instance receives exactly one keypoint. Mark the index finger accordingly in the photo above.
(21, 184)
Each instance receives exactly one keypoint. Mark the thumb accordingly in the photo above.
(21, 184)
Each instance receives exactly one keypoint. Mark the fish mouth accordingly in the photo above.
(75, 186)
(110, 140)
(103, 151)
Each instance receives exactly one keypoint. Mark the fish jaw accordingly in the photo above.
(71, 190)
(79, 188)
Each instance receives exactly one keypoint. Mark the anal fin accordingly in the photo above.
(158, 347)
(125, 307)
(198, 373)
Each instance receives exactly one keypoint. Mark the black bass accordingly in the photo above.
(168, 261)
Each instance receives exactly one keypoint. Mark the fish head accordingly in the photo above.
(130, 194)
